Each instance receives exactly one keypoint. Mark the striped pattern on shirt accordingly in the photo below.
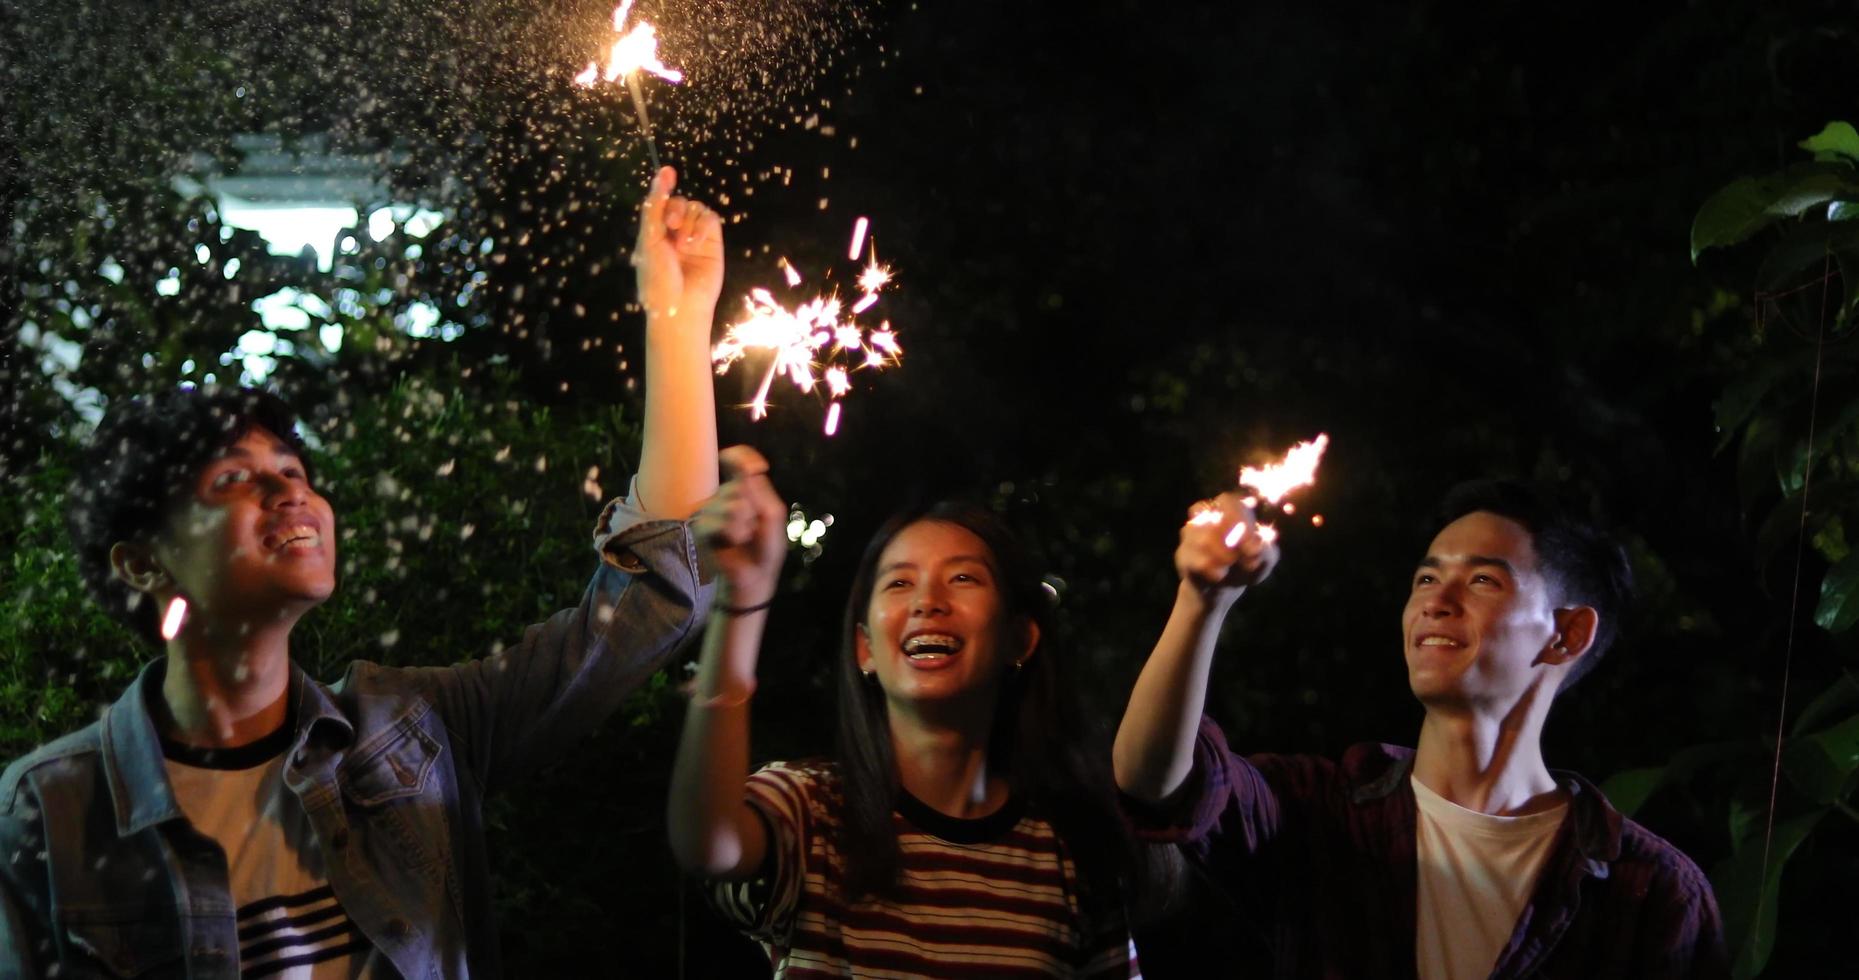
(290, 934)
(997, 897)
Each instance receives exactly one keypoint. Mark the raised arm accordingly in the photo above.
(679, 258)
(1154, 750)
(713, 831)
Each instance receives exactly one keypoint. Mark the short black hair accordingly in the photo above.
(147, 452)
(1584, 563)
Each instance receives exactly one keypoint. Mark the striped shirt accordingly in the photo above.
(997, 896)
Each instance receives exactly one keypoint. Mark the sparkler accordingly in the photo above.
(635, 51)
(821, 335)
(1272, 483)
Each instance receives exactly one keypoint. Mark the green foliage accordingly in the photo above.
(452, 498)
(61, 657)
(1792, 412)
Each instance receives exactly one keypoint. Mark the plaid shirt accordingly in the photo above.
(1322, 854)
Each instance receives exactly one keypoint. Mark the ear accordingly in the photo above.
(135, 566)
(861, 647)
(1032, 642)
(1575, 631)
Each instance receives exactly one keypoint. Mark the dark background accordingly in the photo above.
(1137, 246)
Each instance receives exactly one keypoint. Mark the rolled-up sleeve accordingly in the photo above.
(1225, 800)
(513, 710)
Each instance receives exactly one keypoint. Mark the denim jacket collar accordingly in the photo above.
(132, 759)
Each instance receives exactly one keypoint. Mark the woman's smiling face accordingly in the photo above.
(936, 626)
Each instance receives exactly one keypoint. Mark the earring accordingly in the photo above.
(869, 674)
(1017, 665)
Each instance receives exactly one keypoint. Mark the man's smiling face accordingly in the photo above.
(1480, 614)
(251, 541)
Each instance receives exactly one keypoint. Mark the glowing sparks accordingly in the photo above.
(1271, 483)
(172, 619)
(636, 50)
(859, 228)
(875, 277)
(1298, 469)
(820, 338)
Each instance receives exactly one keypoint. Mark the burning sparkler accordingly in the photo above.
(635, 51)
(1272, 483)
(819, 335)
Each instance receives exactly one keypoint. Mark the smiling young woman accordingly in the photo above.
(964, 825)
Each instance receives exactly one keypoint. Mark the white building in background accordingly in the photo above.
(297, 198)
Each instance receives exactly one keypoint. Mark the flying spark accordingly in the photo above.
(172, 619)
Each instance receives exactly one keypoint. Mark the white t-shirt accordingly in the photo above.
(1477, 872)
(290, 924)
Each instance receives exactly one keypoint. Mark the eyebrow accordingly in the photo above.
(894, 566)
(1473, 561)
(278, 450)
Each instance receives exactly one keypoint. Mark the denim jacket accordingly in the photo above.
(101, 875)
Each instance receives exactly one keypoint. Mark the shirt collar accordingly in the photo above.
(1377, 771)
(132, 759)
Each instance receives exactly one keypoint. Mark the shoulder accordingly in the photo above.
(68, 757)
(801, 779)
(367, 689)
(1658, 871)
(791, 790)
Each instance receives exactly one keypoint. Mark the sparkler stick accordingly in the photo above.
(645, 121)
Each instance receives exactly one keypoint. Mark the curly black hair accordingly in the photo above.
(1585, 564)
(142, 458)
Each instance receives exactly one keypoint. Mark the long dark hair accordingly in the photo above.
(1053, 760)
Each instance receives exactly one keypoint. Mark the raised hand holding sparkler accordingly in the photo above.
(1246, 550)
(1224, 548)
(678, 259)
(678, 256)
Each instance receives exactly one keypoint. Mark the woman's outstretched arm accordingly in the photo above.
(713, 830)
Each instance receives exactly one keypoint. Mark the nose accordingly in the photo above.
(283, 491)
(1441, 602)
(928, 599)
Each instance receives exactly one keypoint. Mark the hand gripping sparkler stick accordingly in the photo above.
(1272, 483)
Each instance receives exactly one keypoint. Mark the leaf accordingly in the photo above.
(1748, 896)
(1835, 142)
(1819, 764)
(1745, 394)
(1842, 211)
(1839, 597)
(1751, 204)
(1842, 692)
(1629, 790)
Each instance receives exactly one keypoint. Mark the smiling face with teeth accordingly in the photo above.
(936, 626)
(251, 541)
(1480, 622)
